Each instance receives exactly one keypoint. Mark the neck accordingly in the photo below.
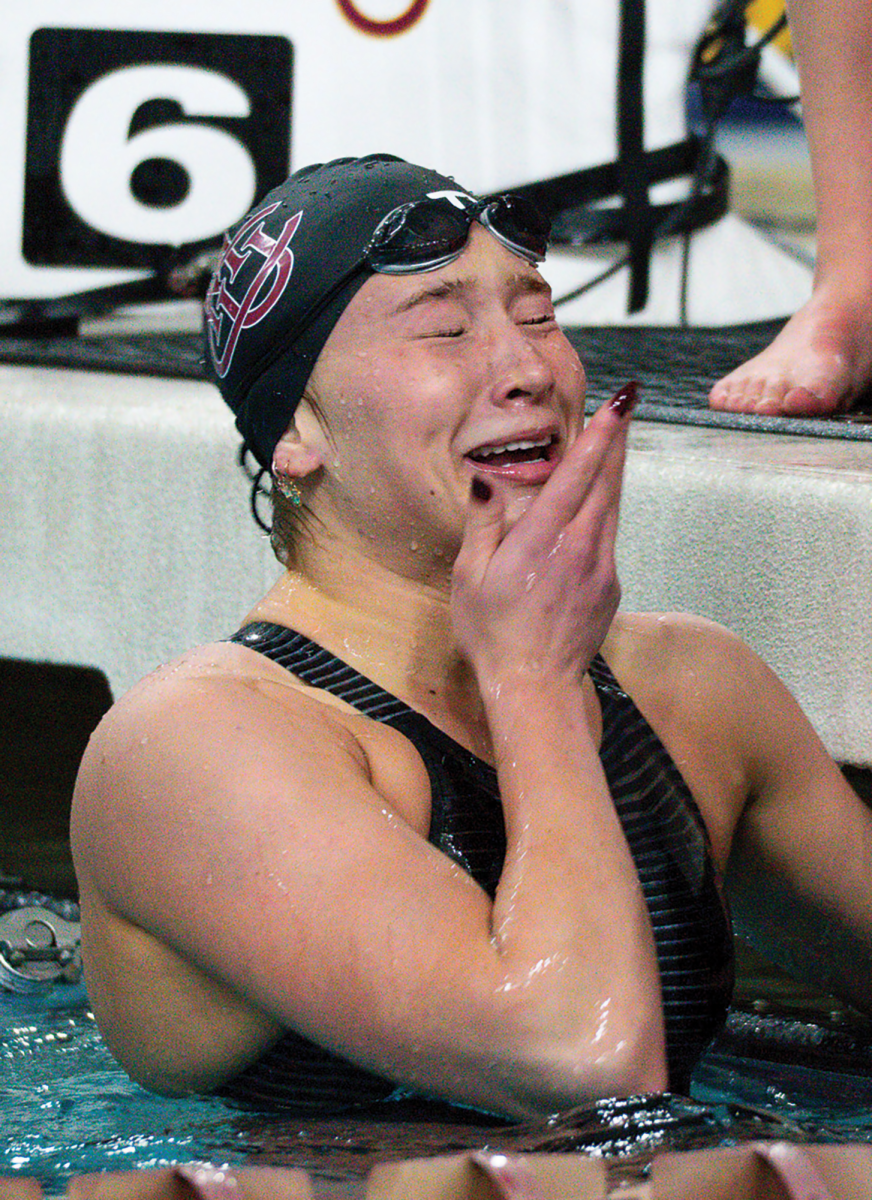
(392, 628)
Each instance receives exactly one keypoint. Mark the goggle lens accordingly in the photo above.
(519, 225)
(426, 234)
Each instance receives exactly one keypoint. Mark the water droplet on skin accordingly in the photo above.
(413, 545)
(355, 645)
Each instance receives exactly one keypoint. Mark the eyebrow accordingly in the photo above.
(521, 283)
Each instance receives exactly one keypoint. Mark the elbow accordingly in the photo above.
(633, 1063)
(621, 1047)
(614, 1059)
(620, 1058)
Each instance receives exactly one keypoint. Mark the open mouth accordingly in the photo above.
(511, 454)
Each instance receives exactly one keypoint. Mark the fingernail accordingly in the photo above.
(624, 399)
(480, 490)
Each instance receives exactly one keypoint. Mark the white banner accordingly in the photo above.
(126, 129)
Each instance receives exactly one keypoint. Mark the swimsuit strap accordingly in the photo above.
(321, 669)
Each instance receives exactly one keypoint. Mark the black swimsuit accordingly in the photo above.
(664, 831)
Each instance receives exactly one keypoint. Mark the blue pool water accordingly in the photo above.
(66, 1109)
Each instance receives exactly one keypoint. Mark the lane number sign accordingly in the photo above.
(138, 141)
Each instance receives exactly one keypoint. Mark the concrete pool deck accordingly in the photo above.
(126, 536)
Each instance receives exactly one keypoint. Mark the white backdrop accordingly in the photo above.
(497, 92)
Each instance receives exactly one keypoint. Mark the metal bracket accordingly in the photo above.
(38, 949)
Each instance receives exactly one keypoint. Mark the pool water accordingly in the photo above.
(67, 1109)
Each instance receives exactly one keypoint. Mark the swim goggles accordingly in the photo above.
(425, 234)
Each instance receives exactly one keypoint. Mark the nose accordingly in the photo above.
(520, 369)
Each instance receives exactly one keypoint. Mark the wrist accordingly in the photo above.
(529, 683)
(550, 707)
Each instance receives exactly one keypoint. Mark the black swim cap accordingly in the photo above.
(283, 263)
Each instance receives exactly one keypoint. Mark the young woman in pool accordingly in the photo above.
(408, 832)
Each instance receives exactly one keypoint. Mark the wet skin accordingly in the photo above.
(225, 812)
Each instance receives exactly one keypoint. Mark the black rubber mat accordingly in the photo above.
(176, 355)
(674, 366)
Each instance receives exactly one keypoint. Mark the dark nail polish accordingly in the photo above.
(481, 490)
(624, 399)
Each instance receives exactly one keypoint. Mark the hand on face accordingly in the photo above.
(536, 600)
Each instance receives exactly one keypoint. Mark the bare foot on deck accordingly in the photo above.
(817, 365)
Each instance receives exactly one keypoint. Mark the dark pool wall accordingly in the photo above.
(47, 714)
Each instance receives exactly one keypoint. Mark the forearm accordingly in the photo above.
(533, 598)
(569, 918)
(833, 44)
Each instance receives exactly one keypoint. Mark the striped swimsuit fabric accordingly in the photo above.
(663, 828)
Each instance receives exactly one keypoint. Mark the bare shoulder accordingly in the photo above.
(215, 695)
(222, 721)
(663, 655)
(718, 680)
(719, 708)
(198, 689)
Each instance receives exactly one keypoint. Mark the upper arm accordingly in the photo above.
(248, 837)
(234, 828)
(795, 839)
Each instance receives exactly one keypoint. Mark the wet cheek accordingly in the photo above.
(575, 372)
(353, 409)
(573, 384)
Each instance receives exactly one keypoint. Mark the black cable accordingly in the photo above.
(255, 478)
(705, 161)
(612, 269)
(730, 73)
(180, 275)
(672, 221)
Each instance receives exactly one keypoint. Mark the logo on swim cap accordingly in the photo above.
(461, 200)
(250, 280)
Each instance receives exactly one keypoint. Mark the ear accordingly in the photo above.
(294, 457)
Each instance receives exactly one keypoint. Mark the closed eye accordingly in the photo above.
(443, 331)
(532, 305)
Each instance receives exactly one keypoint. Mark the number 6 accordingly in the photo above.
(98, 156)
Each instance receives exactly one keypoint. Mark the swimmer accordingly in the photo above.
(440, 820)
